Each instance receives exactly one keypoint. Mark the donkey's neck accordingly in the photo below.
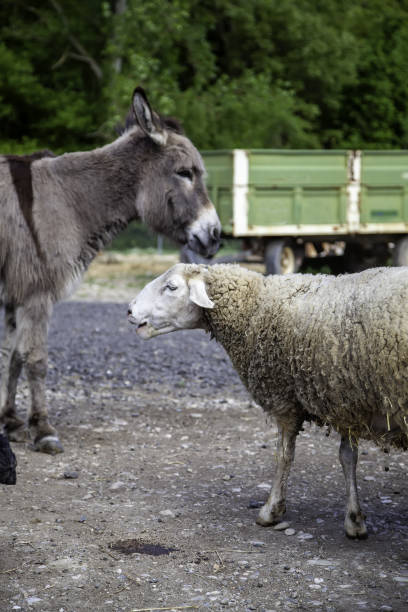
(102, 189)
(105, 184)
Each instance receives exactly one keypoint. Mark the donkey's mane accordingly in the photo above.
(30, 157)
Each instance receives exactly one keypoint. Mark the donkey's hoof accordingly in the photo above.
(19, 434)
(48, 444)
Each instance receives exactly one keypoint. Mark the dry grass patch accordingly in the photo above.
(112, 265)
(116, 277)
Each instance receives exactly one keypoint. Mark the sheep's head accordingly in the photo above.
(172, 301)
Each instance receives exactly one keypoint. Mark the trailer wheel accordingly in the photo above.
(400, 253)
(282, 258)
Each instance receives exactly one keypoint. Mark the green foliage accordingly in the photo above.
(247, 112)
(238, 73)
(48, 93)
(136, 235)
(376, 105)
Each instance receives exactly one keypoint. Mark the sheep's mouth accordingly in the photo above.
(143, 330)
(134, 321)
(146, 330)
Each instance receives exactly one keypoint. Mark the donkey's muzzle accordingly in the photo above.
(203, 235)
(205, 243)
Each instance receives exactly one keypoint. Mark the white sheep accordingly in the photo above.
(333, 350)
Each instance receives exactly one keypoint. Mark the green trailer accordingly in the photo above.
(349, 206)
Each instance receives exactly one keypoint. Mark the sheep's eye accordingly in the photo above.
(171, 287)
(185, 173)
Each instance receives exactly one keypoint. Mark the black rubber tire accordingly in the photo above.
(400, 253)
(281, 257)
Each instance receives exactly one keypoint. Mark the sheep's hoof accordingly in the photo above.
(266, 517)
(357, 535)
(48, 444)
(355, 527)
(264, 522)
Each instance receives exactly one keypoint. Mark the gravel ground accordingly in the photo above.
(153, 504)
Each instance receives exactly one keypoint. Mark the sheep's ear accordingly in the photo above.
(146, 119)
(198, 293)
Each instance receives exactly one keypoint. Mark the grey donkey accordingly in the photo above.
(58, 212)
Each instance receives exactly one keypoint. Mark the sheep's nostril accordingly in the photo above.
(129, 312)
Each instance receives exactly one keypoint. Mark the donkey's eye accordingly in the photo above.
(185, 173)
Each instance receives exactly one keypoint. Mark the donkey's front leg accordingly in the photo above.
(354, 522)
(275, 507)
(32, 329)
(11, 363)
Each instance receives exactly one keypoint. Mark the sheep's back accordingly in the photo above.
(337, 346)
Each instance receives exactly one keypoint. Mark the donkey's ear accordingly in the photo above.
(145, 117)
(198, 293)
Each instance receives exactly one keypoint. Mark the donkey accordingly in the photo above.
(57, 212)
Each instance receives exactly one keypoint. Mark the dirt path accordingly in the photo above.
(166, 453)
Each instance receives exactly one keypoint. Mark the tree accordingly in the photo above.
(238, 73)
(49, 77)
(374, 113)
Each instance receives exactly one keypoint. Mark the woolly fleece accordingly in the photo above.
(329, 349)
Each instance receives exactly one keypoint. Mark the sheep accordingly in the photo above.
(333, 350)
(8, 462)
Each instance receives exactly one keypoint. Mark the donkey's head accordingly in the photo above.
(173, 199)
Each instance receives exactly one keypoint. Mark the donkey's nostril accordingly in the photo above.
(215, 233)
(199, 241)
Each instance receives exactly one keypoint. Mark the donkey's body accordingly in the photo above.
(58, 212)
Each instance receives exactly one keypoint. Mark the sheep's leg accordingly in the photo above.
(32, 329)
(354, 522)
(11, 369)
(275, 507)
